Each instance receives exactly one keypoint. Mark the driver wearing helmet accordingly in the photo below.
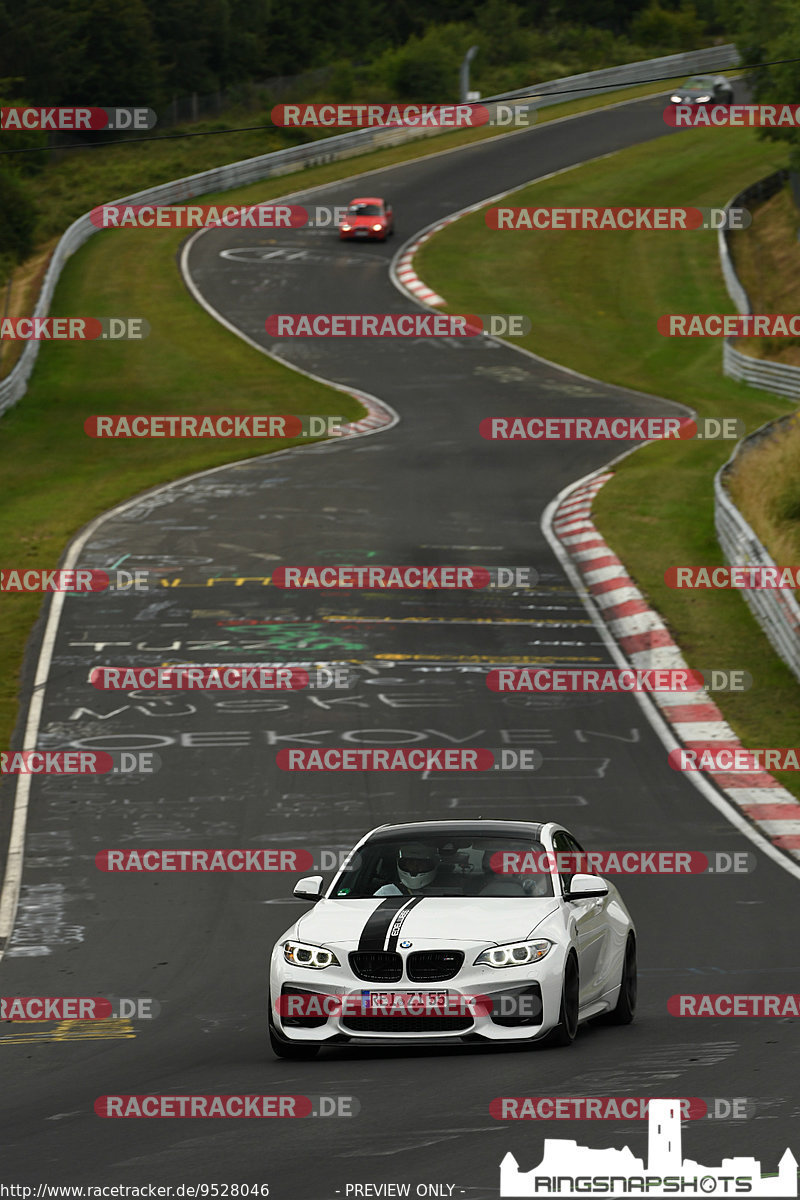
(417, 866)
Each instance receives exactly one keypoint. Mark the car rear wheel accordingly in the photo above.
(564, 1033)
(624, 1009)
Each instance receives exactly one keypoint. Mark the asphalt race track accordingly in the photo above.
(428, 491)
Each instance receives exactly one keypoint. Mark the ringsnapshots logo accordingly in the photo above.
(75, 119)
(567, 1169)
(619, 219)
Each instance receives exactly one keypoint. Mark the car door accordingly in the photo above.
(591, 925)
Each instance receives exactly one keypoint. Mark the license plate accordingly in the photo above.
(403, 999)
(362, 233)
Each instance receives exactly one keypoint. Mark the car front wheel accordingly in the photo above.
(622, 1013)
(564, 1033)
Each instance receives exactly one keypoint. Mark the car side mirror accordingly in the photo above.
(309, 888)
(585, 887)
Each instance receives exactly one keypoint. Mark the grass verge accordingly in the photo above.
(593, 299)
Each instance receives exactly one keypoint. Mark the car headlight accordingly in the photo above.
(300, 954)
(676, 99)
(347, 228)
(515, 954)
(377, 228)
(702, 99)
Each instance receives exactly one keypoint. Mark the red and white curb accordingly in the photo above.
(645, 641)
(379, 415)
(408, 277)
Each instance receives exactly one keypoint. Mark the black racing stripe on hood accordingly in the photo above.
(397, 924)
(379, 921)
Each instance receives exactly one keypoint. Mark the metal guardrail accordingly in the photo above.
(280, 162)
(776, 610)
(781, 378)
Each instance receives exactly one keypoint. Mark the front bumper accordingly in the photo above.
(363, 234)
(523, 1007)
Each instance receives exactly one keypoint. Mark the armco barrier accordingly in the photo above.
(279, 162)
(776, 610)
(781, 378)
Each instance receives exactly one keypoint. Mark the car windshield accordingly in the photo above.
(699, 81)
(445, 865)
(365, 210)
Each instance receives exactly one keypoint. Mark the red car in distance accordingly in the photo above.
(368, 218)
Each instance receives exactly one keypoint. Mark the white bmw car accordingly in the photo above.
(452, 932)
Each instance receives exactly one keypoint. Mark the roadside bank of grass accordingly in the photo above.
(593, 299)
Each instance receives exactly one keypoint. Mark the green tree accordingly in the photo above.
(769, 34)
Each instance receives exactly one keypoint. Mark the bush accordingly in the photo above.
(658, 27)
(17, 217)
